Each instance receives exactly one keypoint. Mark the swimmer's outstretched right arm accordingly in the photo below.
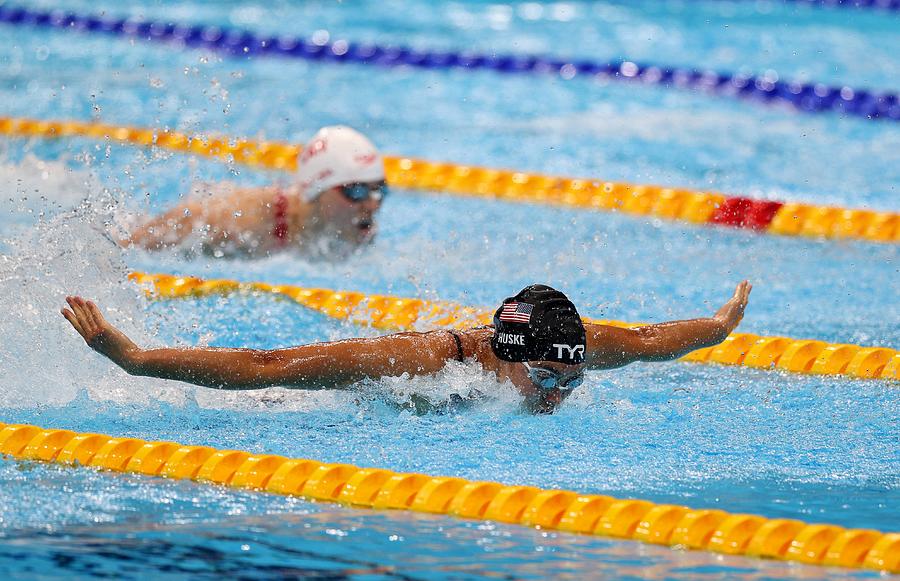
(320, 365)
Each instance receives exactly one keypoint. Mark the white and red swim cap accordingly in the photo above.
(335, 156)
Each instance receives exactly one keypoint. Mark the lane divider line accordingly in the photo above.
(885, 5)
(375, 488)
(695, 207)
(239, 43)
(399, 313)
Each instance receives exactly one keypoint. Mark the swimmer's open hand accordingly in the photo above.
(732, 312)
(99, 334)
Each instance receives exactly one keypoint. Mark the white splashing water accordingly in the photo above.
(35, 189)
(59, 244)
(468, 380)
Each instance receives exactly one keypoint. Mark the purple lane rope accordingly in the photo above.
(806, 97)
(876, 4)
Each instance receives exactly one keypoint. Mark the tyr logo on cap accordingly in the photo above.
(577, 349)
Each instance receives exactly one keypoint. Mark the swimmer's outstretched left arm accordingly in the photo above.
(609, 347)
(319, 365)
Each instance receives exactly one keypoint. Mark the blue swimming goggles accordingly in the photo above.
(549, 379)
(362, 191)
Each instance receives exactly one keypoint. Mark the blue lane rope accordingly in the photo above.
(807, 97)
(877, 4)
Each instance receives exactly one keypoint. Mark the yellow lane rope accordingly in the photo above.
(397, 313)
(640, 520)
(789, 218)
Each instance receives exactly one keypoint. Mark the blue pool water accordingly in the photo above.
(818, 449)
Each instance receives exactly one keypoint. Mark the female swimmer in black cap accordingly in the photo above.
(538, 342)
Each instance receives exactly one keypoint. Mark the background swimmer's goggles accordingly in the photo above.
(548, 379)
(362, 191)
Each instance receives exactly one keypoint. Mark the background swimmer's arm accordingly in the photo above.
(610, 347)
(219, 213)
(321, 365)
(170, 228)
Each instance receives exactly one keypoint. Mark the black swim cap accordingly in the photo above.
(539, 324)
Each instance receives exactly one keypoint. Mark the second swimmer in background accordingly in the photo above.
(328, 210)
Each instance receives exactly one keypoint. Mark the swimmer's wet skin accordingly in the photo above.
(538, 342)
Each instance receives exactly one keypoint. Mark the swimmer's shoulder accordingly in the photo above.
(473, 337)
(461, 343)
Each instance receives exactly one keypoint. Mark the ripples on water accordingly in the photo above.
(818, 449)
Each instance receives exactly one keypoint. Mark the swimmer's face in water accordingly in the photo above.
(348, 220)
(537, 398)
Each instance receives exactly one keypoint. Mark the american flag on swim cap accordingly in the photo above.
(516, 312)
